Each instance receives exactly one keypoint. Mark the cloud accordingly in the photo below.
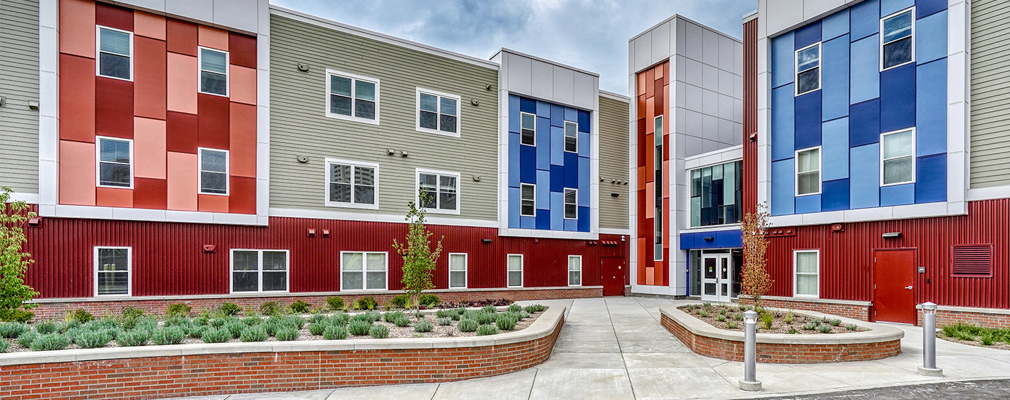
(587, 34)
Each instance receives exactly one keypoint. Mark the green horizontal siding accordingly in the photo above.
(613, 163)
(990, 93)
(19, 84)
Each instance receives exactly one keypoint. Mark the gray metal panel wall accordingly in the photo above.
(613, 163)
(19, 84)
(299, 126)
(990, 94)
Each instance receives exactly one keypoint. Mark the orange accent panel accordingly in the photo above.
(213, 203)
(243, 85)
(641, 177)
(641, 261)
(658, 272)
(650, 158)
(641, 85)
(182, 83)
(659, 71)
(641, 107)
(242, 140)
(666, 73)
(650, 115)
(77, 98)
(150, 87)
(650, 86)
(243, 196)
(182, 181)
(149, 146)
(77, 173)
(113, 197)
(77, 28)
(181, 37)
(213, 38)
(660, 98)
(650, 200)
(650, 275)
(666, 180)
(149, 25)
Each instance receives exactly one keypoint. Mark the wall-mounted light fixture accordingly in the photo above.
(891, 235)
(326, 233)
(34, 105)
(310, 232)
(486, 241)
(615, 195)
(403, 153)
(34, 221)
(390, 152)
(709, 238)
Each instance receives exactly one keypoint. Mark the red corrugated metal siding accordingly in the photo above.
(750, 114)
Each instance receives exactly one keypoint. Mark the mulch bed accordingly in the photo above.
(733, 320)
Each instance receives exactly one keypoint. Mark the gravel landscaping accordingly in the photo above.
(730, 317)
(993, 338)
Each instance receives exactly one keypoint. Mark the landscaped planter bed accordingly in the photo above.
(730, 317)
(974, 335)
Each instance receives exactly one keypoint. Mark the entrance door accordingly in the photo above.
(716, 278)
(894, 286)
(612, 270)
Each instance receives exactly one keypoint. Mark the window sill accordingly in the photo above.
(352, 205)
(355, 119)
(439, 211)
(115, 187)
(438, 132)
(215, 194)
(215, 94)
(115, 77)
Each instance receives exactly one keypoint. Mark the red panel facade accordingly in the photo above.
(652, 88)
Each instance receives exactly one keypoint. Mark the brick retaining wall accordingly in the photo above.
(859, 312)
(980, 318)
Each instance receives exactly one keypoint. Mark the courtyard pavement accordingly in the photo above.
(615, 348)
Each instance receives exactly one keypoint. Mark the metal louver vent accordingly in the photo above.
(972, 260)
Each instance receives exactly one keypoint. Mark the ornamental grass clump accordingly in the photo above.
(136, 337)
(168, 335)
(514, 308)
(317, 328)
(507, 321)
(851, 327)
(359, 328)
(447, 321)
(468, 325)
(340, 319)
(767, 318)
(335, 333)
(197, 331)
(26, 339)
(254, 334)
(11, 330)
(3, 346)
(46, 327)
(92, 339)
(219, 335)
(835, 322)
(489, 309)
(731, 325)
(485, 318)
(378, 331)
(721, 318)
(809, 326)
(287, 334)
(788, 319)
(52, 341)
(824, 328)
(235, 328)
(485, 330)
(178, 310)
(423, 326)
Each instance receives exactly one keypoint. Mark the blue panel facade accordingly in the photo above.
(835, 25)
(865, 19)
(864, 63)
(897, 98)
(783, 191)
(783, 125)
(931, 109)
(808, 120)
(836, 195)
(808, 35)
(835, 150)
(808, 204)
(925, 8)
(835, 79)
(864, 123)
(931, 38)
(897, 195)
(931, 179)
(783, 58)
(888, 7)
(711, 240)
(864, 172)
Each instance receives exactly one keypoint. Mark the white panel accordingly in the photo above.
(814, 8)
(726, 132)
(710, 103)
(710, 78)
(726, 80)
(680, 68)
(150, 5)
(643, 51)
(236, 14)
(695, 125)
(737, 87)
(694, 98)
(681, 34)
(543, 80)
(710, 145)
(695, 72)
(726, 48)
(711, 129)
(585, 91)
(738, 58)
(782, 14)
(680, 90)
(694, 146)
(202, 10)
(520, 74)
(564, 85)
(694, 41)
(710, 41)
(726, 107)
(660, 43)
(680, 125)
(737, 134)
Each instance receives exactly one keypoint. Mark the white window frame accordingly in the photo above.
(521, 200)
(354, 90)
(881, 34)
(326, 179)
(417, 190)
(227, 171)
(564, 202)
(564, 139)
(98, 162)
(199, 71)
(98, 52)
(818, 274)
(521, 129)
(820, 69)
(522, 266)
(466, 268)
(438, 123)
(882, 135)
(259, 271)
(129, 271)
(820, 171)
(364, 271)
(569, 267)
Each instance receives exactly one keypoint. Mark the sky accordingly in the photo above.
(587, 34)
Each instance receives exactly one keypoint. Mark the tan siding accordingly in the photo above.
(613, 163)
(299, 126)
(990, 93)
(19, 84)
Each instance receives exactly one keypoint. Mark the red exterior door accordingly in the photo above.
(613, 272)
(894, 286)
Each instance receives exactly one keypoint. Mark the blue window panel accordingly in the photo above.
(528, 222)
(584, 182)
(807, 35)
(835, 78)
(514, 159)
(527, 105)
(527, 164)
(583, 219)
(864, 67)
(544, 144)
(543, 219)
(864, 123)
(544, 110)
(514, 207)
(514, 119)
(864, 19)
(557, 178)
(571, 225)
(897, 195)
(835, 25)
(584, 144)
(557, 115)
(888, 7)
(931, 179)
(835, 150)
(808, 120)
(558, 211)
(543, 190)
(571, 114)
(783, 125)
(585, 123)
(783, 192)
(931, 38)
(925, 8)
(687, 241)
(783, 60)
(864, 176)
(897, 98)
(571, 170)
(836, 195)
(931, 108)
(557, 146)
(808, 204)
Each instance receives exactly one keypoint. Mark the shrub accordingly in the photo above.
(523, 315)
(299, 307)
(218, 322)
(317, 328)
(340, 319)
(446, 321)
(230, 309)
(835, 322)
(81, 316)
(11, 330)
(809, 326)
(402, 321)
(93, 339)
(392, 316)
(270, 308)
(254, 334)
(767, 319)
(129, 316)
(535, 308)
(851, 327)
(378, 331)
(26, 339)
(365, 303)
(400, 301)
(16, 315)
(318, 318)
(52, 341)
(703, 313)
(469, 315)
(287, 334)
(444, 313)
(721, 318)
(293, 321)
(515, 308)
(216, 336)
(788, 319)
(146, 323)
(429, 300)
(738, 316)
(336, 333)
(423, 326)
(136, 337)
(987, 339)
(336, 303)
(486, 318)
(507, 321)
(731, 325)
(489, 309)
(235, 328)
(460, 310)
(3, 346)
(250, 321)
(824, 328)
(168, 335)
(359, 328)
(197, 331)
(178, 310)
(201, 321)
(45, 327)
(468, 325)
(485, 330)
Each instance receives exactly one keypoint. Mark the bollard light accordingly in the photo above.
(928, 367)
(749, 381)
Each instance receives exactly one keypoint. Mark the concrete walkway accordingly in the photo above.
(615, 348)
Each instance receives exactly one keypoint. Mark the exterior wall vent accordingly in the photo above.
(971, 260)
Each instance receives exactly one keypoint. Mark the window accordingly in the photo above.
(528, 206)
(806, 267)
(213, 72)
(716, 192)
(440, 191)
(658, 183)
(897, 157)
(112, 271)
(115, 53)
(574, 270)
(897, 39)
(808, 171)
(571, 204)
(115, 162)
(213, 171)
(437, 113)
(528, 136)
(352, 97)
(515, 270)
(457, 270)
(571, 137)
(808, 69)
(259, 271)
(362, 271)
(351, 184)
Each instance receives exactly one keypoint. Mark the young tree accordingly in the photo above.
(13, 261)
(418, 257)
(756, 280)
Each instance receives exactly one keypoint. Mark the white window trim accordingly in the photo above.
(564, 137)
(417, 190)
(438, 131)
(354, 89)
(129, 272)
(98, 162)
(795, 258)
(466, 270)
(881, 34)
(199, 71)
(98, 52)
(522, 266)
(564, 203)
(364, 270)
(534, 129)
(882, 135)
(569, 267)
(796, 69)
(521, 185)
(352, 204)
(259, 271)
(227, 171)
(820, 171)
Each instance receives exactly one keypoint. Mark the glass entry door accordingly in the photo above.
(717, 277)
